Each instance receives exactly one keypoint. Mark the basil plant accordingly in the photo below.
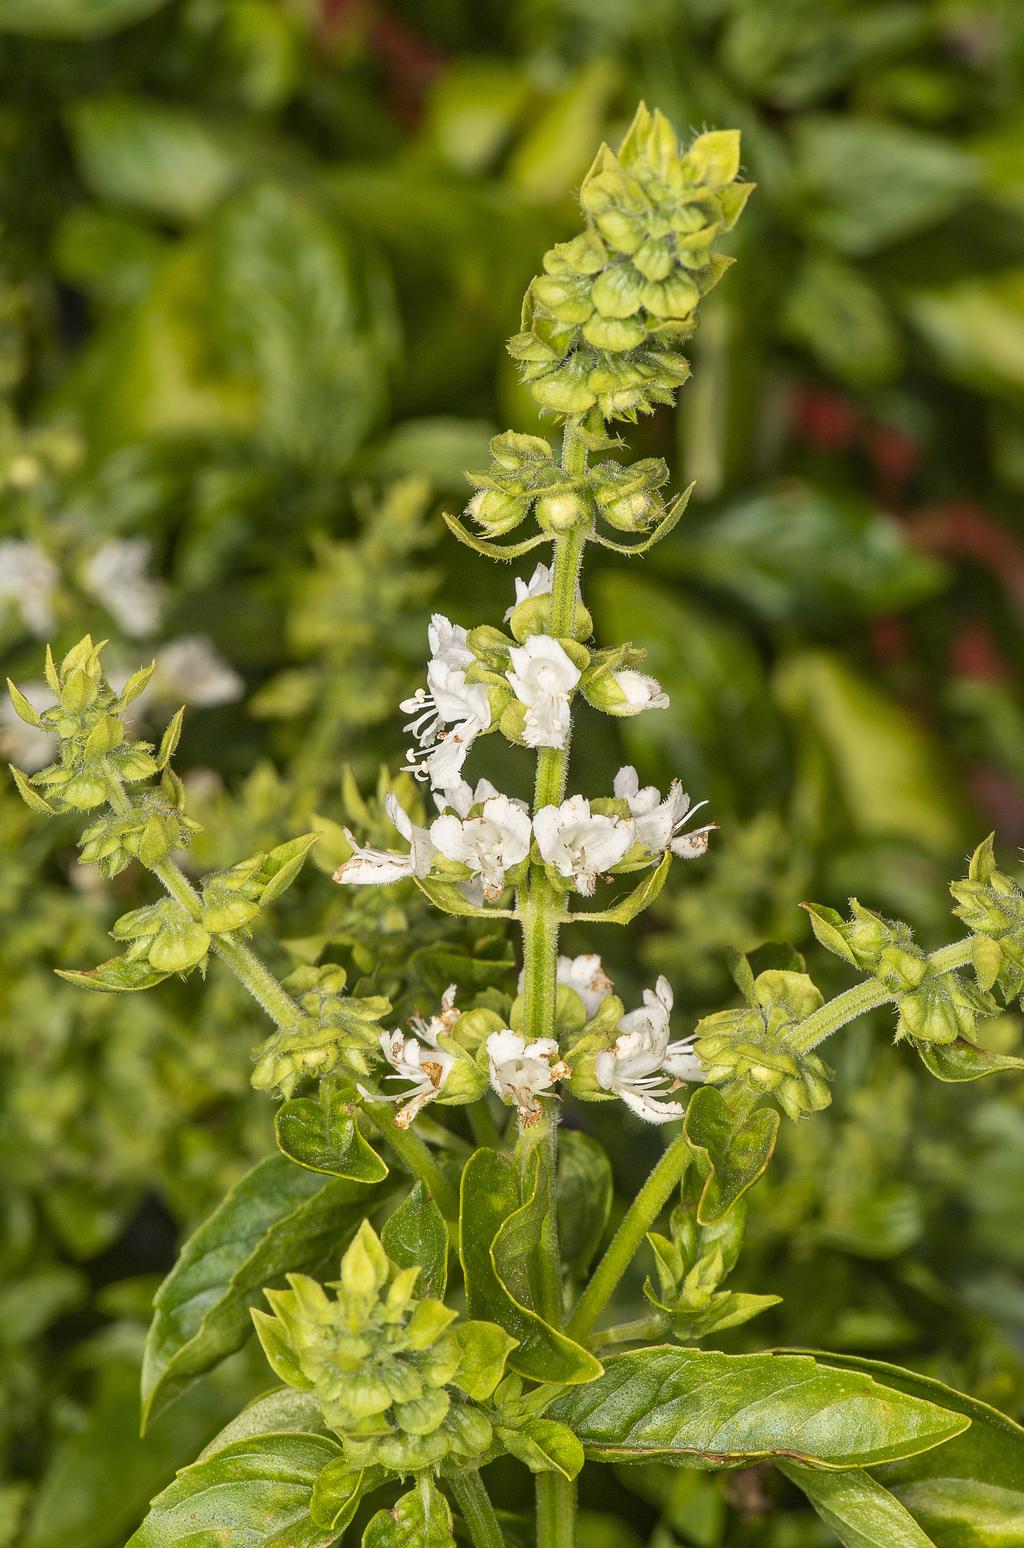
(427, 1260)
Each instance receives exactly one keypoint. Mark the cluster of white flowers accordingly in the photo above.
(642, 1067)
(576, 842)
(449, 714)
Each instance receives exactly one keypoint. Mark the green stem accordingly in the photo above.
(645, 1330)
(623, 1247)
(556, 1511)
(864, 997)
(418, 1160)
(476, 1509)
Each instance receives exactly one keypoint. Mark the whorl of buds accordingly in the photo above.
(601, 326)
(97, 759)
(337, 1033)
(391, 1373)
(750, 1045)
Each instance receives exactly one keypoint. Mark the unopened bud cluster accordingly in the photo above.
(602, 324)
(334, 1033)
(526, 477)
(931, 1006)
(991, 905)
(750, 1046)
(394, 1378)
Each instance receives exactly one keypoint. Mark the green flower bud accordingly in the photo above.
(751, 1046)
(562, 512)
(496, 510)
(385, 1367)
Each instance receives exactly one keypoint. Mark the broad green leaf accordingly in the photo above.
(322, 1134)
(102, 1475)
(173, 161)
(796, 554)
(698, 1408)
(733, 1154)
(254, 1493)
(833, 311)
(964, 1061)
(281, 1410)
(416, 1235)
(857, 1509)
(584, 1198)
(544, 1446)
(887, 769)
(277, 1219)
(115, 976)
(976, 328)
(73, 18)
(420, 1519)
(869, 184)
(968, 1493)
(337, 1492)
(490, 1197)
(485, 1351)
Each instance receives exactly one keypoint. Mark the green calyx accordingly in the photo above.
(395, 1379)
(602, 325)
(333, 1033)
(932, 1006)
(751, 1046)
(991, 905)
(96, 759)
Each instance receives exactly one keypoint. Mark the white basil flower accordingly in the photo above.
(542, 677)
(368, 867)
(635, 1069)
(579, 844)
(462, 796)
(588, 978)
(539, 585)
(658, 822)
(490, 844)
(424, 1065)
(429, 1029)
(28, 582)
(447, 701)
(520, 1070)
(639, 692)
(117, 575)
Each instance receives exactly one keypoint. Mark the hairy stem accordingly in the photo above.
(418, 1160)
(476, 1509)
(828, 1018)
(623, 1247)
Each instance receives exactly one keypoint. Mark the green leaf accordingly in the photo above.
(280, 1410)
(799, 555)
(585, 1190)
(662, 530)
(115, 976)
(634, 902)
(420, 1519)
(968, 1493)
(283, 864)
(138, 152)
(544, 1445)
(321, 1133)
(869, 184)
(416, 1236)
(490, 1200)
(962, 1060)
(72, 18)
(170, 739)
(255, 1493)
(860, 1512)
(698, 1408)
(337, 1492)
(31, 798)
(447, 897)
(506, 551)
(277, 1219)
(733, 1154)
(23, 708)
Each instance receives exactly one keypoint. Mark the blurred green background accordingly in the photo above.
(258, 262)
